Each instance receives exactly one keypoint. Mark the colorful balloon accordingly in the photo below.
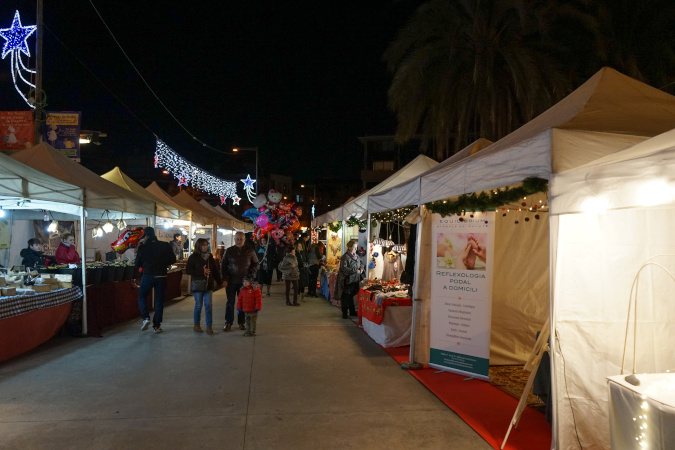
(262, 220)
(128, 239)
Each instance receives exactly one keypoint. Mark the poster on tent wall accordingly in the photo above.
(16, 130)
(61, 130)
(461, 293)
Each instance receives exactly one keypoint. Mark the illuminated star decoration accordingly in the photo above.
(223, 199)
(15, 44)
(188, 174)
(235, 199)
(248, 187)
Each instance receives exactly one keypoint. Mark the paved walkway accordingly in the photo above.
(308, 380)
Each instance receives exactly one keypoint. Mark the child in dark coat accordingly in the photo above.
(250, 303)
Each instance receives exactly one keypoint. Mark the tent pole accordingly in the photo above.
(83, 228)
(411, 364)
(368, 244)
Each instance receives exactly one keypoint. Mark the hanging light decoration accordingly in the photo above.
(108, 226)
(53, 226)
(15, 43)
(188, 174)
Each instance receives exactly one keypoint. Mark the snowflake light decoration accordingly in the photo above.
(15, 44)
(188, 174)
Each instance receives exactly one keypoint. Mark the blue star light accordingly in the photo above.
(16, 36)
(248, 182)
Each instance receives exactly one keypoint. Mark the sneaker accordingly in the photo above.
(158, 329)
(146, 324)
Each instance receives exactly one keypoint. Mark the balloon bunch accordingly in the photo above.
(274, 217)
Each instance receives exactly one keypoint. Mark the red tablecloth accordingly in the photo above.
(35, 323)
(369, 308)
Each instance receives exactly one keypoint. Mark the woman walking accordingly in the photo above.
(203, 269)
(349, 276)
(290, 272)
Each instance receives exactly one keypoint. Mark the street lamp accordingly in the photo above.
(251, 149)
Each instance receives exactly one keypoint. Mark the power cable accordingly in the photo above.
(150, 88)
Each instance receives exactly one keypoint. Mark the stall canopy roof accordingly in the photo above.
(239, 224)
(99, 194)
(409, 192)
(359, 205)
(20, 182)
(608, 113)
(208, 216)
(234, 223)
(163, 209)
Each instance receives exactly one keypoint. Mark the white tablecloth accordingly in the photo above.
(644, 413)
(395, 328)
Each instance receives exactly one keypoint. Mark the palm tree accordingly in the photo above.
(464, 69)
(638, 39)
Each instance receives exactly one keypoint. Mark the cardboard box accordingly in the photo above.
(42, 287)
(6, 292)
(65, 284)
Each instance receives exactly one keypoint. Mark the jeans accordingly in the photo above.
(205, 298)
(313, 275)
(148, 282)
(232, 291)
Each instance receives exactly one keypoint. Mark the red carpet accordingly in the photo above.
(485, 408)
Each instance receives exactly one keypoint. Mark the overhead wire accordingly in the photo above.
(150, 88)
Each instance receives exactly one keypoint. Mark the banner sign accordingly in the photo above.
(61, 130)
(461, 293)
(16, 130)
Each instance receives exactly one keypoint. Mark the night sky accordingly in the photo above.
(301, 80)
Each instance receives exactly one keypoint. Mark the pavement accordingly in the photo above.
(308, 380)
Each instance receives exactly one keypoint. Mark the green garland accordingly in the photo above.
(335, 227)
(394, 214)
(484, 201)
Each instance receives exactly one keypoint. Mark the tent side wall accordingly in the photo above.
(598, 256)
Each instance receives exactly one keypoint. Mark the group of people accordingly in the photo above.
(33, 256)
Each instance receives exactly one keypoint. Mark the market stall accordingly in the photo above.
(29, 318)
(608, 113)
(385, 312)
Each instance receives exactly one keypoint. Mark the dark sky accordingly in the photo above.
(299, 79)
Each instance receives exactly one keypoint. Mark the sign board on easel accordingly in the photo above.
(461, 293)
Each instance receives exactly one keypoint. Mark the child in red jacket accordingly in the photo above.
(249, 302)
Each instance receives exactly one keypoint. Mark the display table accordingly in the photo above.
(27, 321)
(117, 301)
(394, 331)
(642, 416)
(373, 309)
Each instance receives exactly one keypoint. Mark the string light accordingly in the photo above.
(15, 44)
(188, 174)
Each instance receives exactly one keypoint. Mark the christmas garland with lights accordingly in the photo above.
(394, 214)
(335, 227)
(484, 200)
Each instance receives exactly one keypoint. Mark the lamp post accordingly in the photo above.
(250, 149)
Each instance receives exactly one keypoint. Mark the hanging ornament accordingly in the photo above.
(248, 188)
(15, 43)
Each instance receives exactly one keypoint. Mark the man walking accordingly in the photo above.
(153, 259)
(238, 261)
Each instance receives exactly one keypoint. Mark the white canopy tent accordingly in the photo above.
(607, 219)
(607, 114)
(409, 192)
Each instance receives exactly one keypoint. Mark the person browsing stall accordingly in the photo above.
(349, 276)
(177, 245)
(153, 259)
(66, 253)
(32, 256)
(238, 261)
